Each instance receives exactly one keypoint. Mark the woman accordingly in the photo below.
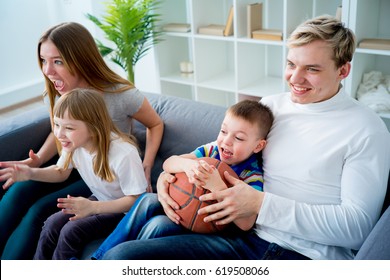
(69, 59)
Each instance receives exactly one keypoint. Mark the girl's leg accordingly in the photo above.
(76, 234)
(49, 235)
(23, 241)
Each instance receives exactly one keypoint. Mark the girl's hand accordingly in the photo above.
(80, 207)
(166, 201)
(12, 172)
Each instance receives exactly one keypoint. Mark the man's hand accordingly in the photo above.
(168, 204)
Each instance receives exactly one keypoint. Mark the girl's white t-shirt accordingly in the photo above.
(125, 163)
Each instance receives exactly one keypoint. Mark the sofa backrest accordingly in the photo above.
(23, 132)
(187, 125)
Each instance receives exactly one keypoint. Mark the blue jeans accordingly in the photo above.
(145, 220)
(231, 245)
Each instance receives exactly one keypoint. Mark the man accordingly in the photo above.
(326, 165)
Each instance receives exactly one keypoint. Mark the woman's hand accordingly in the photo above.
(12, 172)
(237, 202)
(168, 204)
(148, 171)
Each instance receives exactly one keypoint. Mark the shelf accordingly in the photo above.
(228, 69)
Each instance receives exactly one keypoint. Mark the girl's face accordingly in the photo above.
(312, 74)
(72, 134)
(238, 139)
(54, 69)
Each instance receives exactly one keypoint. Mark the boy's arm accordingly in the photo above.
(182, 163)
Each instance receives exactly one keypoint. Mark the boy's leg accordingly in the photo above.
(145, 207)
(159, 226)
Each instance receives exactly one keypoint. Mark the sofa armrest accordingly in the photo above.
(23, 132)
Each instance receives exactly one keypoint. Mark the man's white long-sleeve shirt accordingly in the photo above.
(325, 175)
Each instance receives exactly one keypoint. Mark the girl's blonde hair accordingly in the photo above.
(88, 106)
(81, 57)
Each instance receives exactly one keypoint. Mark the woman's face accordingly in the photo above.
(54, 69)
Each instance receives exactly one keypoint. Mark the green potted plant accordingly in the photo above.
(130, 25)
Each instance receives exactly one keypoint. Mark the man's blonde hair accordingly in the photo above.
(329, 29)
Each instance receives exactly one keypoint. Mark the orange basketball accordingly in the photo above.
(187, 196)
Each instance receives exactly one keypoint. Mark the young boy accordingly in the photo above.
(239, 142)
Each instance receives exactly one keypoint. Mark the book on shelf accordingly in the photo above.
(254, 18)
(228, 31)
(377, 44)
(268, 34)
(177, 27)
(212, 29)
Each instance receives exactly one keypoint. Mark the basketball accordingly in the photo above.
(187, 196)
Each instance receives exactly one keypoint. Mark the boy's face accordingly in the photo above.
(238, 139)
(312, 74)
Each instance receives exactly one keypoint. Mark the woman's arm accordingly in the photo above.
(154, 132)
(12, 173)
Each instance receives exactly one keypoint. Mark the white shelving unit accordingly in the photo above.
(228, 69)
(368, 19)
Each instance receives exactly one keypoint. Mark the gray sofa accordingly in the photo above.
(188, 124)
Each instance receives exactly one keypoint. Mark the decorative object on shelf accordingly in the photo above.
(177, 27)
(374, 91)
(130, 24)
(268, 34)
(186, 68)
(219, 29)
(377, 44)
(254, 17)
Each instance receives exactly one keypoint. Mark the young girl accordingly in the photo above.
(107, 160)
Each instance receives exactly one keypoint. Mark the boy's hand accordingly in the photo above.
(210, 177)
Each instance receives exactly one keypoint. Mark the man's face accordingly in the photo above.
(312, 74)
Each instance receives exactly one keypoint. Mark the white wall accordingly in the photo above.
(21, 24)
